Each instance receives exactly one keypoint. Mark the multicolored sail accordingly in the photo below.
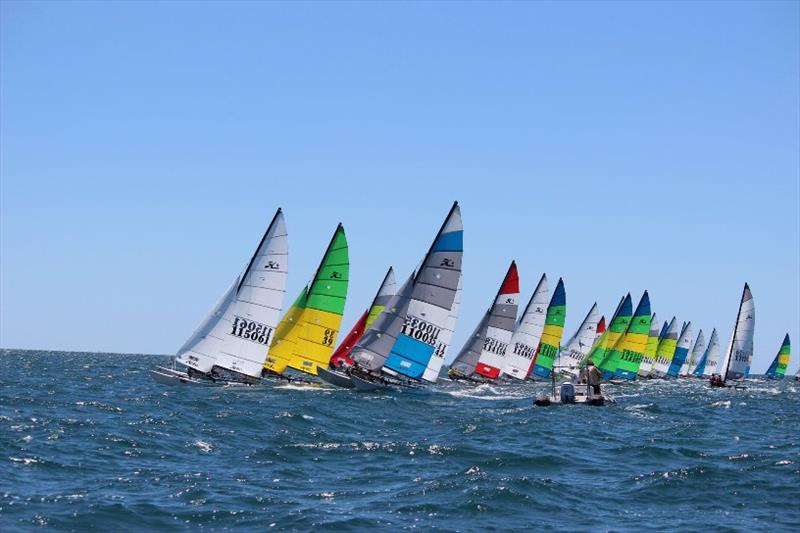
(739, 355)
(431, 373)
(234, 335)
(407, 335)
(387, 289)
(600, 354)
(579, 344)
(778, 367)
(527, 333)
(694, 356)
(627, 355)
(649, 355)
(542, 365)
(496, 334)
(681, 350)
(305, 337)
(666, 349)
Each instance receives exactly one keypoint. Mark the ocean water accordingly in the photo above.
(89, 440)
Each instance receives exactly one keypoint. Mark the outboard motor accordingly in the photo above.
(567, 393)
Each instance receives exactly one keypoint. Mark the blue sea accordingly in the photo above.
(90, 441)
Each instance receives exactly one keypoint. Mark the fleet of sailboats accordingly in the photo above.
(401, 339)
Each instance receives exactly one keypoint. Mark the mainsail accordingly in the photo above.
(599, 354)
(407, 334)
(551, 335)
(707, 364)
(649, 355)
(627, 357)
(681, 350)
(580, 343)
(666, 349)
(601, 328)
(234, 336)
(431, 373)
(778, 367)
(695, 355)
(385, 292)
(527, 333)
(496, 332)
(305, 336)
(740, 350)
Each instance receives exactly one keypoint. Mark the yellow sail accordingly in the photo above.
(306, 336)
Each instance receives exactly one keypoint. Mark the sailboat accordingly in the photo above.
(778, 367)
(707, 364)
(736, 362)
(305, 337)
(410, 336)
(542, 365)
(579, 344)
(681, 350)
(481, 357)
(527, 333)
(694, 355)
(649, 354)
(230, 344)
(666, 349)
(340, 361)
(599, 354)
(626, 357)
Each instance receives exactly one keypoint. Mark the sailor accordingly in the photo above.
(592, 375)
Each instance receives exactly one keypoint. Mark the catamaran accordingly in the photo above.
(542, 364)
(736, 363)
(527, 333)
(305, 337)
(230, 343)
(666, 349)
(408, 340)
(694, 355)
(778, 367)
(681, 350)
(707, 364)
(579, 344)
(600, 352)
(649, 354)
(624, 358)
(481, 358)
(340, 363)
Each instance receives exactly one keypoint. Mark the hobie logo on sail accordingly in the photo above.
(272, 265)
(447, 262)
(420, 330)
(251, 330)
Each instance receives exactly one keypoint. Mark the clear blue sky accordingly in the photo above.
(624, 146)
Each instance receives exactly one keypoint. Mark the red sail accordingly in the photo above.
(342, 353)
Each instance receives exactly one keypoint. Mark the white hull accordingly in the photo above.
(170, 376)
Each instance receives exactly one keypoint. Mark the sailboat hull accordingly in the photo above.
(335, 378)
(366, 386)
(169, 376)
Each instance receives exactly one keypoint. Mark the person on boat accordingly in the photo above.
(592, 376)
(716, 380)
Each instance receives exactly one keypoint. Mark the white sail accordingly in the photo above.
(431, 373)
(740, 354)
(579, 345)
(695, 355)
(711, 355)
(237, 333)
(527, 333)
